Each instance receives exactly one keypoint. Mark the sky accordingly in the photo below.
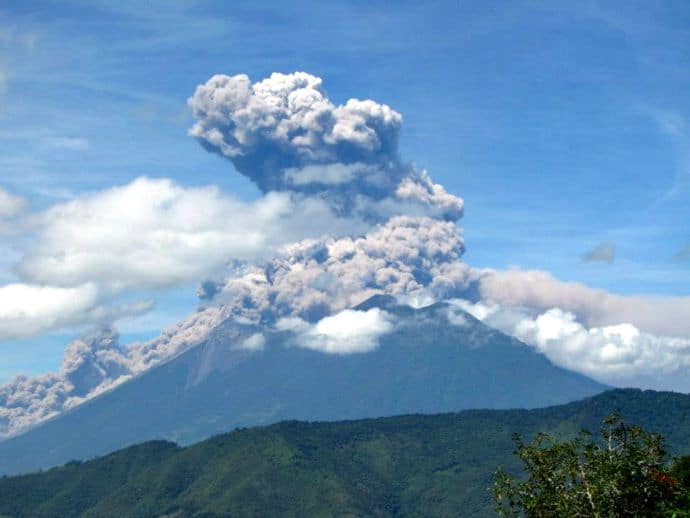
(564, 127)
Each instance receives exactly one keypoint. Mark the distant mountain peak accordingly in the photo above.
(380, 301)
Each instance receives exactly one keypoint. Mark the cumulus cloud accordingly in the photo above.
(10, 204)
(286, 135)
(616, 354)
(154, 233)
(28, 310)
(254, 342)
(346, 332)
(602, 253)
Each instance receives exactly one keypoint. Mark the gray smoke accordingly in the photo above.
(284, 134)
(88, 364)
(406, 256)
(92, 365)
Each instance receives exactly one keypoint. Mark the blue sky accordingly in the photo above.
(562, 125)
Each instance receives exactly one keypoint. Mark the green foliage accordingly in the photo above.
(624, 474)
(436, 465)
(680, 471)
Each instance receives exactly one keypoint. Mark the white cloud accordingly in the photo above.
(29, 310)
(254, 342)
(67, 143)
(294, 324)
(458, 319)
(10, 204)
(618, 354)
(155, 233)
(346, 332)
(284, 133)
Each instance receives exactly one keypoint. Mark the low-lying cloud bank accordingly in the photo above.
(615, 354)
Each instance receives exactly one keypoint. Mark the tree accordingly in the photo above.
(622, 475)
(680, 471)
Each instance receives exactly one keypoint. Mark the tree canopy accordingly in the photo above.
(622, 473)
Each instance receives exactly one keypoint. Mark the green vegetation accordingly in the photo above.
(623, 474)
(437, 465)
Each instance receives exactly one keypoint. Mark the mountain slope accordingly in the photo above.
(426, 365)
(438, 465)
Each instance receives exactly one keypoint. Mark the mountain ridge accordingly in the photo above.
(410, 465)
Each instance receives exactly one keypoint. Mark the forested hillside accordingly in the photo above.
(436, 465)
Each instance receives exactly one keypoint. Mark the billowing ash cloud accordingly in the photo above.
(595, 308)
(93, 365)
(88, 364)
(312, 279)
(286, 135)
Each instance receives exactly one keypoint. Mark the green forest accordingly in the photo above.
(416, 465)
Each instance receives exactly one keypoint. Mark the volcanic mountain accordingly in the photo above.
(432, 359)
